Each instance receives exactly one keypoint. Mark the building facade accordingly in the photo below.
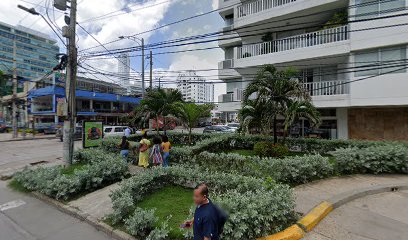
(34, 52)
(195, 88)
(124, 69)
(355, 71)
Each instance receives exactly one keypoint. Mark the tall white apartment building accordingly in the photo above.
(356, 72)
(195, 88)
(124, 69)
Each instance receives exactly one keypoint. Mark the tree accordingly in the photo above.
(273, 90)
(190, 113)
(298, 109)
(252, 116)
(157, 103)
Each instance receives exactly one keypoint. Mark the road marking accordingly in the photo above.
(12, 204)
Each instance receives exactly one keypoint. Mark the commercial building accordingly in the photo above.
(34, 52)
(124, 69)
(355, 71)
(195, 88)
(95, 100)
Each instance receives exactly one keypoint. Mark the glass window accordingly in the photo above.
(391, 6)
(391, 57)
(107, 130)
(364, 63)
(118, 129)
(366, 8)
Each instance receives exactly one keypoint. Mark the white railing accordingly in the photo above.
(327, 88)
(259, 6)
(238, 94)
(324, 36)
(226, 64)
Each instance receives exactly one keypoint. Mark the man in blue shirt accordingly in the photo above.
(208, 218)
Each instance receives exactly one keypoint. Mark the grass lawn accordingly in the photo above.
(171, 200)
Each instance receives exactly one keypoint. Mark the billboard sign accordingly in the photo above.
(92, 133)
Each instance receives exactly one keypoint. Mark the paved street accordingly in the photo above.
(26, 218)
(18, 154)
(376, 217)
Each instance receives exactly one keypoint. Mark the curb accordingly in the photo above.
(28, 139)
(318, 213)
(76, 213)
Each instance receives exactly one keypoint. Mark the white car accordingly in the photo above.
(233, 126)
(114, 131)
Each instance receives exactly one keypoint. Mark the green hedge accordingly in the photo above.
(100, 169)
(389, 158)
(291, 170)
(256, 207)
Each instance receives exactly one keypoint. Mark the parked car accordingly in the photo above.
(216, 129)
(77, 134)
(113, 131)
(233, 126)
(3, 125)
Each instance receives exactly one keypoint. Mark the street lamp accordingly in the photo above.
(140, 41)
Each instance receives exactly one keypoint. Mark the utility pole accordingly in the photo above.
(15, 83)
(143, 70)
(70, 85)
(151, 71)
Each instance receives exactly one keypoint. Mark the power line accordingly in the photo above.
(296, 17)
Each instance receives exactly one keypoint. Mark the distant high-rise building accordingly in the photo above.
(124, 69)
(195, 88)
(35, 52)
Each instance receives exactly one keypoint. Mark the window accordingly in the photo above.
(107, 130)
(380, 61)
(118, 129)
(372, 8)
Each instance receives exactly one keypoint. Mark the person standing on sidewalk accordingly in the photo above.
(124, 148)
(166, 150)
(144, 151)
(156, 152)
(209, 219)
(128, 131)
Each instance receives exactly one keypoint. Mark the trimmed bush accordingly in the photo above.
(268, 149)
(256, 207)
(390, 158)
(101, 169)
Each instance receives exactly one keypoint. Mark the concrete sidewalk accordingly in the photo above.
(8, 137)
(375, 217)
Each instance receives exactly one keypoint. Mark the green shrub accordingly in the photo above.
(263, 149)
(244, 197)
(268, 149)
(141, 222)
(101, 169)
(389, 158)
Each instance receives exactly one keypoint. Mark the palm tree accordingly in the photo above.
(190, 113)
(252, 116)
(158, 103)
(298, 109)
(275, 89)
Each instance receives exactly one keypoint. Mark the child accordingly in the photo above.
(166, 150)
(155, 153)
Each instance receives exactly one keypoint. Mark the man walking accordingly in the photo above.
(128, 132)
(208, 220)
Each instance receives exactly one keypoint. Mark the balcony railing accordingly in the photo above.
(321, 37)
(237, 95)
(327, 88)
(259, 6)
(226, 64)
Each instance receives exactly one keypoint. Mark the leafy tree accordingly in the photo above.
(157, 103)
(272, 91)
(190, 113)
(297, 109)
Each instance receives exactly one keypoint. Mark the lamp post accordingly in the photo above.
(140, 41)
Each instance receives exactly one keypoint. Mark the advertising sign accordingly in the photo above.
(92, 133)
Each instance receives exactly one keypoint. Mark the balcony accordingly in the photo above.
(327, 88)
(321, 37)
(228, 37)
(254, 7)
(226, 70)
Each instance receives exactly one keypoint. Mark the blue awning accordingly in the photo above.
(59, 91)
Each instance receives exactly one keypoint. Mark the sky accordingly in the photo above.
(106, 20)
